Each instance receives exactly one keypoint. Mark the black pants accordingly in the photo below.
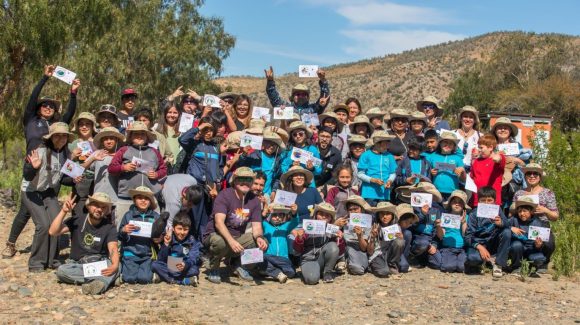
(19, 222)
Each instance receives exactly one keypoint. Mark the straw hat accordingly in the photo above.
(233, 140)
(375, 112)
(324, 207)
(279, 208)
(279, 131)
(228, 95)
(145, 191)
(108, 109)
(297, 170)
(432, 100)
(469, 109)
(331, 114)
(100, 197)
(108, 132)
(534, 167)
(458, 194)
(297, 88)
(381, 135)
(339, 107)
(256, 126)
(397, 112)
(297, 125)
(242, 172)
(274, 137)
(418, 116)
(355, 199)
(58, 128)
(505, 121)
(360, 119)
(403, 193)
(525, 201)
(50, 100)
(426, 187)
(86, 116)
(356, 138)
(140, 126)
(385, 207)
(404, 209)
(448, 136)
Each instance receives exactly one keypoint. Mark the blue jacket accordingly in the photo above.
(204, 158)
(482, 230)
(425, 224)
(135, 245)
(525, 226)
(374, 165)
(446, 181)
(277, 236)
(260, 161)
(315, 107)
(189, 249)
(286, 158)
(404, 170)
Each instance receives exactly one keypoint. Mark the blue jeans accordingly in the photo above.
(72, 273)
(519, 251)
(499, 245)
(448, 260)
(136, 269)
(168, 276)
(404, 262)
(274, 265)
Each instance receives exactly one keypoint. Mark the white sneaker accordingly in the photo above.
(497, 272)
(282, 278)
(156, 278)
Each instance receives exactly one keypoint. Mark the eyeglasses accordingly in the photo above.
(429, 106)
(533, 174)
(47, 105)
(298, 134)
(229, 100)
(189, 101)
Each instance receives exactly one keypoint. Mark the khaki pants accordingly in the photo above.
(219, 248)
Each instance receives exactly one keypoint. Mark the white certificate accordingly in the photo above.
(72, 169)
(261, 113)
(488, 211)
(362, 220)
(307, 71)
(63, 74)
(285, 198)
(144, 228)
(301, 155)
(441, 167)
(211, 100)
(314, 227)
(332, 229)
(420, 199)
(310, 119)
(252, 255)
(143, 166)
(86, 148)
(172, 262)
(186, 122)
(91, 270)
(254, 141)
(470, 184)
(450, 221)
(286, 113)
(510, 149)
(389, 232)
(542, 232)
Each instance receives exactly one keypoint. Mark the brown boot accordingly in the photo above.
(9, 251)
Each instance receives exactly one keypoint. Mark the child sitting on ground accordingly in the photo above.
(407, 218)
(178, 246)
(385, 253)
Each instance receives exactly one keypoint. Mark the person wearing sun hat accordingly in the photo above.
(235, 208)
(267, 160)
(300, 94)
(376, 169)
(361, 126)
(376, 117)
(417, 125)
(356, 237)
(297, 180)
(431, 107)
(468, 133)
(300, 139)
(450, 255)
(385, 252)
(107, 117)
(447, 164)
(398, 124)
(414, 167)
(356, 146)
(406, 218)
(330, 120)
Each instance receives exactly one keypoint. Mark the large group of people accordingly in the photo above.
(331, 189)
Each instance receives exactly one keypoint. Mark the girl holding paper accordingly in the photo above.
(296, 180)
(385, 248)
(300, 136)
(356, 237)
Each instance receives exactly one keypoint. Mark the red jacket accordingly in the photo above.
(486, 172)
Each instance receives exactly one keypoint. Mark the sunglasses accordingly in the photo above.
(465, 145)
(244, 179)
(229, 100)
(533, 174)
(298, 134)
(189, 101)
(47, 105)
(301, 94)
(429, 106)
(131, 98)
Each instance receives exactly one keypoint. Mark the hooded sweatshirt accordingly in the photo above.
(131, 245)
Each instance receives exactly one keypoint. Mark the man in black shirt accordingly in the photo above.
(93, 239)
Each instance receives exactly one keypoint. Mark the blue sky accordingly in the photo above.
(287, 33)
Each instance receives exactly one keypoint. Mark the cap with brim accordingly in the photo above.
(256, 126)
(360, 119)
(228, 95)
(432, 100)
(355, 199)
(100, 197)
(298, 88)
(426, 187)
(297, 170)
(385, 207)
(375, 112)
(279, 131)
(296, 125)
(525, 201)
(129, 92)
(458, 194)
(324, 207)
(339, 107)
(381, 135)
(233, 140)
(418, 116)
(505, 121)
(140, 126)
(58, 128)
(331, 114)
(534, 167)
(86, 116)
(404, 211)
(448, 136)
(50, 100)
(356, 138)
(108, 132)
(469, 109)
(274, 137)
(145, 191)
(279, 208)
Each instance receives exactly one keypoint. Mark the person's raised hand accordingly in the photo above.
(69, 203)
(269, 73)
(176, 93)
(323, 101)
(75, 85)
(321, 74)
(49, 70)
(34, 159)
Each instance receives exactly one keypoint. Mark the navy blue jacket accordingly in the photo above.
(482, 230)
(132, 245)
(404, 171)
(203, 158)
(188, 249)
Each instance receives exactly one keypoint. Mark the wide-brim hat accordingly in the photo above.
(403, 193)
(256, 127)
(356, 138)
(297, 170)
(107, 132)
(458, 194)
(100, 197)
(145, 191)
(274, 137)
(279, 208)
(279, 131)
(297, 125)
(432, 100)
(339, 107)
(375, 112)
(381, 135)
(58, 128)
(140, 126)
(228, 94)
(360, 119)
(534, 167)
(51, 100)
(426, 187)
(233, 140)
(469, 109)
(525, 201)
(86, 116)
(397, 112)
(324, 207)
(243, 172)
(355, 199)
(418, 116)
(405, 209)
(447, 135)
(297, 88)
(331, 114)
(385, 207)
(505, 121)
(108, 109)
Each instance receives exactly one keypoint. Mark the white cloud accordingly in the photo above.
(372, 43)
(391, 13)
(274, 49)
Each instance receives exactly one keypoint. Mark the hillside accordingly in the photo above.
(392, 81)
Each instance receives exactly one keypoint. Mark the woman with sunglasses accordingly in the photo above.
(300, 136)
(430, 106)
(240, 114)
(399, 127)
(468, 133)
(38, 116)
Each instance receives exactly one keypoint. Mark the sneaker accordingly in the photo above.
(328, 278)
(119, 280)
(394, 270)
(243, 274)
(497, 272)
(282, 278)
(543, 269)
(94, 287)
(214, 277)
(9, 251)
(156, 278)
(517, 273)
(194, 281)
(340, 267)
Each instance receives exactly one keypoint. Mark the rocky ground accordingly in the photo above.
(422, 296)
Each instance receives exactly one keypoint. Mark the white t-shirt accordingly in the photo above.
(471, 143)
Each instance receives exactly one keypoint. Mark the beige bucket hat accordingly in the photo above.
(358, 201)
(58, 128)
(140, 126)
(404, 210)
(432, 100)
(324, 207)
(360, 119)
(458, 194)
(297, 170)
(505, 121)
(108, 132)
(86, 116)
(145, 191)
(296, 125)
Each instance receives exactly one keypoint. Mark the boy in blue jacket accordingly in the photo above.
(376, 170)
(522, 247)
(413, 168)
(136, 244)
(277, 227)
(485, 236)
(184, 252)
(447, 165)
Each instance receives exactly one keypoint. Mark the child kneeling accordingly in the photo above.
(385, 251)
